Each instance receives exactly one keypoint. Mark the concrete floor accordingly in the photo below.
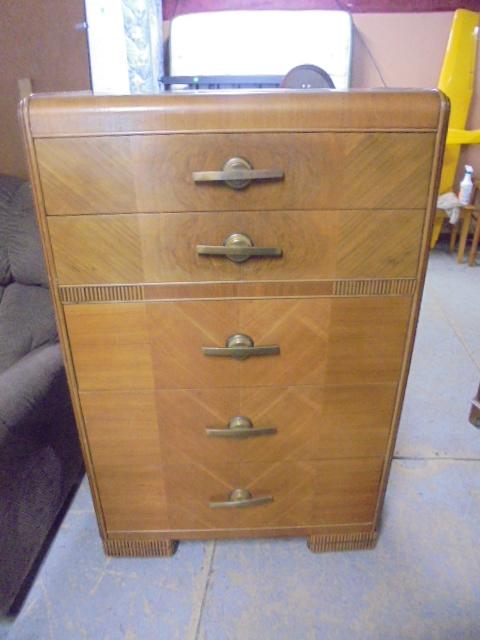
(422, 582)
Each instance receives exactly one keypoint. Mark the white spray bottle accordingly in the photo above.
(466, 186)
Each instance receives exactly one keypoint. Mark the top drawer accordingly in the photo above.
(154, 173)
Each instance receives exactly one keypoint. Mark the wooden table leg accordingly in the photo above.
(476, 237)
(467, 217)
(453, 236)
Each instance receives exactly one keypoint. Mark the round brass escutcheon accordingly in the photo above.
(240, 494)
(238, 164)
(240, 422)
(238, 240)
(239, 340)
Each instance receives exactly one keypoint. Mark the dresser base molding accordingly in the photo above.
(342, 542)
(127, 548)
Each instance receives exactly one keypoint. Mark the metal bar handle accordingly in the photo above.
(239, 499)
(237, 173)
(242, 252)
(240, 427)
(237, 247)
(241, 347)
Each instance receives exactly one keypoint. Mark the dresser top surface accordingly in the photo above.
(79, 114)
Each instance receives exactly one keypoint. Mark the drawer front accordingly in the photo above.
(157, 248)
(143, 487)
(280, 424)
(151, 173)
(328, 492)
(322, 341)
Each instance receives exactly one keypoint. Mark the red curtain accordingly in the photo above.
(172, 8)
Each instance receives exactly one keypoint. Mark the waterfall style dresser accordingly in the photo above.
(237, 279)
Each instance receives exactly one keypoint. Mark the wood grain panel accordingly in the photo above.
(158, 345)
(154, 173)
(77, 173)
(159, 248)
(110, 340)
(126, 453)
(76, 114)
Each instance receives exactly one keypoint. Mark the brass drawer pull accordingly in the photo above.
(237, 173)
(241, 347)
(238, 247)
(240, 427)
(241, 498)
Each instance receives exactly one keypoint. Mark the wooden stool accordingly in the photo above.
(464, 224)
(476, 237)
(467, 214)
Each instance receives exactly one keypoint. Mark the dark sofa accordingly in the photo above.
(40, 460)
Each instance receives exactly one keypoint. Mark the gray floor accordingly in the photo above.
(421, 582)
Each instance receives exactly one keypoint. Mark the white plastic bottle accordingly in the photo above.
(466, 186)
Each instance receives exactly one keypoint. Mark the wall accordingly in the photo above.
(408, 50)
(37, 40)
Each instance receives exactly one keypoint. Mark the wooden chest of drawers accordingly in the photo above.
(237, 279)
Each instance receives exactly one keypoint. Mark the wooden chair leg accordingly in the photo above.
(476, 237)
(453, 237)
(467, 217)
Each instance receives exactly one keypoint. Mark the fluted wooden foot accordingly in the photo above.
(126, 548)
(342, 542)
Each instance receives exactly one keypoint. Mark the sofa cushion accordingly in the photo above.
(26, 320)
(24, 249)
(8, 188)
(25, 388)
(39, 461)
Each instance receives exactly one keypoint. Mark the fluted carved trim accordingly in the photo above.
(79, 294)
(139, 548)
(342, 542)
(101, 293)
(394, 287)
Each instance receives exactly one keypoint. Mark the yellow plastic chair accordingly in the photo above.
(456, 81)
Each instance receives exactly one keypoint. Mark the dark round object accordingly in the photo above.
(307, 76)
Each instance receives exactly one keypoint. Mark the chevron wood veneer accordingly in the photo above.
(140, 342)
(290, 431)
